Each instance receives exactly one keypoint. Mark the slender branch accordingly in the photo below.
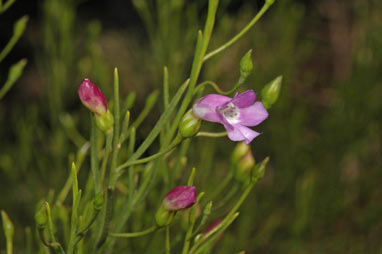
(176, 142)
(135, 234)
(168, 248)
(211, 134)
(241, 33)
(94, 156)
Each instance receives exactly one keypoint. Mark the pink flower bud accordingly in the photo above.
(92, 97)
(180, 198)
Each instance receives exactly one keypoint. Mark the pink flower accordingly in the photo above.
(92, 97)
(180, 198)
(235, 114)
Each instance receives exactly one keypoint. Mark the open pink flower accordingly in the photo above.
(234, 113)
(92, 97)
(180, 198)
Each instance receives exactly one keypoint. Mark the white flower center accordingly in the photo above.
(230, 112)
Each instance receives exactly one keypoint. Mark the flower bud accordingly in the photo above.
(41, 218)
(271, 91)
(240, 150)
(244, 166)
(258, 170)
(190, 125)
(163, 217)
(246, 65)
(7, 226)
(92, 97)
(180, 198)
(98, 201)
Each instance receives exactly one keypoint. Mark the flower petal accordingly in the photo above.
(244, 99)
(180, 198)
(205, 107)
(241, 133)
(92, 97)
(253, 115)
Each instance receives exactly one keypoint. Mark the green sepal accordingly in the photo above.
(271, 91)
(189, 125)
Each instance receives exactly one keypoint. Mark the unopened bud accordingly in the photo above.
(177, 199)
(7, 225)
(246, 65)
(271, 91)
(240, 150)
(259, 170)
(163, 217)
(41, 218)
(92, 97)
(244, 166)
(190, 125)
(99, 200)
(180, 198)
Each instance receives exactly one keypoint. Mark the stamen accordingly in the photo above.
(230, 112)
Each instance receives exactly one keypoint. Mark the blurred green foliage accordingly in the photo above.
(321, 192)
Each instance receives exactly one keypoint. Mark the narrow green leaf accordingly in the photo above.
(13, 75)
(18, 30)
(8, 231)
(160, 124)
(191, 178)
(4, 7)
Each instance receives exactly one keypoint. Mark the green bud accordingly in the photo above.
(19, 26)
(7, 226)
(105, 121)
(258, 170)
(152, 99)
(41, 218)
(163, 217)
(271, 91)
(207, 209)
(244, 166)
(190, 125)
(130, 100)
(99, 200)
(240, 150)
(246, 65)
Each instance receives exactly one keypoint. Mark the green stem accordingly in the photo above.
(18, 30)
(113, 176)
(241, 33)
(211, 134)
(217, 88)
(114, 156)
(192, 219)
(166, 93)
(176, 142)
(135, 234)
(201, 48)
(207, 239)
(50, 222)
(94, 156)
(168, 248)
(109, 138)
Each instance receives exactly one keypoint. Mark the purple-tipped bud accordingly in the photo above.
(92, 97)
(180, 198)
